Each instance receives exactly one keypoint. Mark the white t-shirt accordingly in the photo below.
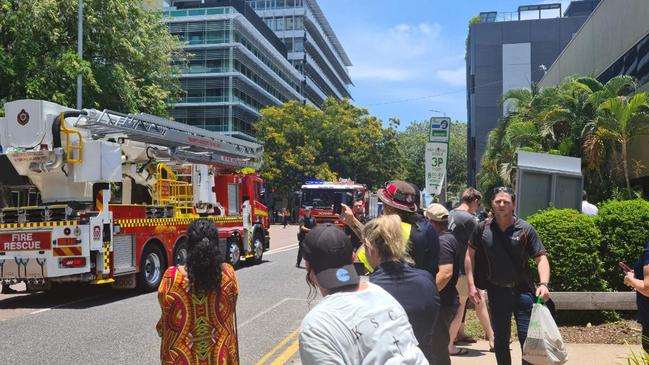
(362, 327)
(588, 208)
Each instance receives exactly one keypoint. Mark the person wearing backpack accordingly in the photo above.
(502, 247)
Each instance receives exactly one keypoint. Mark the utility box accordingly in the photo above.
(544, 180)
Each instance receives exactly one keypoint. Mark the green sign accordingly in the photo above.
(439, 129)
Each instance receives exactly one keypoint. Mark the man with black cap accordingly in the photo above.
(354, 323)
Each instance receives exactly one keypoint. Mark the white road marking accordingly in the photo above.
(250, 320)
(64, 304)
(281, 249)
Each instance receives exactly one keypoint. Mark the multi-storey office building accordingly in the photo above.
(312, 46)
(237, 65)
(508, 51)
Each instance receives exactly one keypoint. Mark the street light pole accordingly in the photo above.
(80, 52)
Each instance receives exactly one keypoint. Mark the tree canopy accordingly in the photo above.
(127, 60)
(302, 142)
(582, 118)
(340, 140)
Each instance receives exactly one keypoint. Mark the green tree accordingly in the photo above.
(412, 143)
(340, 140)
(356, 145)
(127, 62)
(620, 119)
(291, 150)
(558, 120)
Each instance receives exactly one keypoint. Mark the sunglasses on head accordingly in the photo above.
(503, 189)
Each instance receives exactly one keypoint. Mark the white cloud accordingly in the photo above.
(453, 77)
(427, 29)
(402, 28)
(399, 53)
(381, 73)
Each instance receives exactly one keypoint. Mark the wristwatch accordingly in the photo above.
(544, 284)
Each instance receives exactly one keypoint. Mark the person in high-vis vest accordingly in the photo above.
(399, 197)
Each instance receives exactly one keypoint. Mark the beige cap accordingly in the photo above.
(436, 212)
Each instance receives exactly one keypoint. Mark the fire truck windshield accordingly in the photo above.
(321, 198)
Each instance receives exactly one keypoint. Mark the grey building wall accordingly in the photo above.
(484, 64)
(615, 27)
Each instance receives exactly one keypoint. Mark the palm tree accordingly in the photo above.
(575, 105)
(619, 119)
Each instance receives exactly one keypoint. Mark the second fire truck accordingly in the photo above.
(102, 197)
(321, 196)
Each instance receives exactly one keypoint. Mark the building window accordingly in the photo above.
(298, 45)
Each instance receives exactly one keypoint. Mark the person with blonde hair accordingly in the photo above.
(413, 288)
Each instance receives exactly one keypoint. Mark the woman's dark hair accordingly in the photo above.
(204, 258)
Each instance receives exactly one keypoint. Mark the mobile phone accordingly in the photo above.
(342, 198)
(624, 266)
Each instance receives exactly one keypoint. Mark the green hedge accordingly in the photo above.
(625, 228)
(572, 242)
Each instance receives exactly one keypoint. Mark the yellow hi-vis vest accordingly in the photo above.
(360, 253)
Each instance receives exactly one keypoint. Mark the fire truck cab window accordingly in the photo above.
(233, 199)
(320, 198)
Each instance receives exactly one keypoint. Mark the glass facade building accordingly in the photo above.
(311, 44)
(235, 67)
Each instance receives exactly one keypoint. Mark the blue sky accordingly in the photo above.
(408, 55)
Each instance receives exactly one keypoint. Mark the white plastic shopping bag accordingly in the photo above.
(544, 345)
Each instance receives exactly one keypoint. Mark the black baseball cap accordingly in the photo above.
(329, 251)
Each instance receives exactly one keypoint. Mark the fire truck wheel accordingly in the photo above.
(234, 254)
(258, 247)
(151, 269)
(180, 254)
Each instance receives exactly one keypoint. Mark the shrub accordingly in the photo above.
(625, 228)
(572, 242)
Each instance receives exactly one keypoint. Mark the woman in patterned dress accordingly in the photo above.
(198, 303)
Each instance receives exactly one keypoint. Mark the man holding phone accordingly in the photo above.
(358, 209)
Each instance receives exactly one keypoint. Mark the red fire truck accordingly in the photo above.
(322, 195)
(102, 197)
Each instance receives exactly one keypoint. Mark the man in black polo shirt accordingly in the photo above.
(507, 243)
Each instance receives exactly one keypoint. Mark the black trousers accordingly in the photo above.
(441, 337)
(299, 253)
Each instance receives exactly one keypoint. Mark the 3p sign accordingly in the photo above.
(435, 159)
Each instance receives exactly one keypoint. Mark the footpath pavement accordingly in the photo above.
(578, 354)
